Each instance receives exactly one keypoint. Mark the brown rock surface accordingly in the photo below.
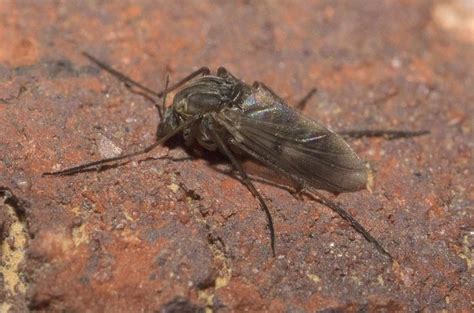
(184, 235)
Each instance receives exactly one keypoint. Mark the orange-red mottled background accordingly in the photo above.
(185, 235)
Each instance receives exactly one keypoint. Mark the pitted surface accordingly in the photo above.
(177, 231)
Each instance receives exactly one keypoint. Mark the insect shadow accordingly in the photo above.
(222, 113)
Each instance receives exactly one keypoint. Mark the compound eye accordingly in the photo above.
(182, 106)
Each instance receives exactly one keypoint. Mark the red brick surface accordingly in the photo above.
(184, 235)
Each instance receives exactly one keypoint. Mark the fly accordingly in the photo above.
(221, 112)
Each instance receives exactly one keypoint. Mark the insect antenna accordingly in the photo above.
(120, 76)
(147, 92)
(203, 70)
(246, 180)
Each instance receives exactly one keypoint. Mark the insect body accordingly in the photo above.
(254, 120)
(221, 112)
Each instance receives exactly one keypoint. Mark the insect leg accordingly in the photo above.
(246, 180)
(257, 84)
(387, 134)
(316, 195)
(349, 218)
(101, 164)
(299, 106)
(302, 103)
(224, 73)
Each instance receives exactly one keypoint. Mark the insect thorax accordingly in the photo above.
(204, 95)
(207, 94)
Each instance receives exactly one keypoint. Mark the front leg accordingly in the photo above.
(113, 162)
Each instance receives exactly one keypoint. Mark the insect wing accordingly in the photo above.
(298, 146)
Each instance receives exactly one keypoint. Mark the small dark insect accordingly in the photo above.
(221, 112)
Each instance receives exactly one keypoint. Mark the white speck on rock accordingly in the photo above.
(107, 148)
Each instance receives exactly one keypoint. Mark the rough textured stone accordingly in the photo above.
(185, 235)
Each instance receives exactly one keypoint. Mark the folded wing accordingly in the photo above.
(299, 147)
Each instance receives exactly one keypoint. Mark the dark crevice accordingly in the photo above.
(181, 305)
(20, 206)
